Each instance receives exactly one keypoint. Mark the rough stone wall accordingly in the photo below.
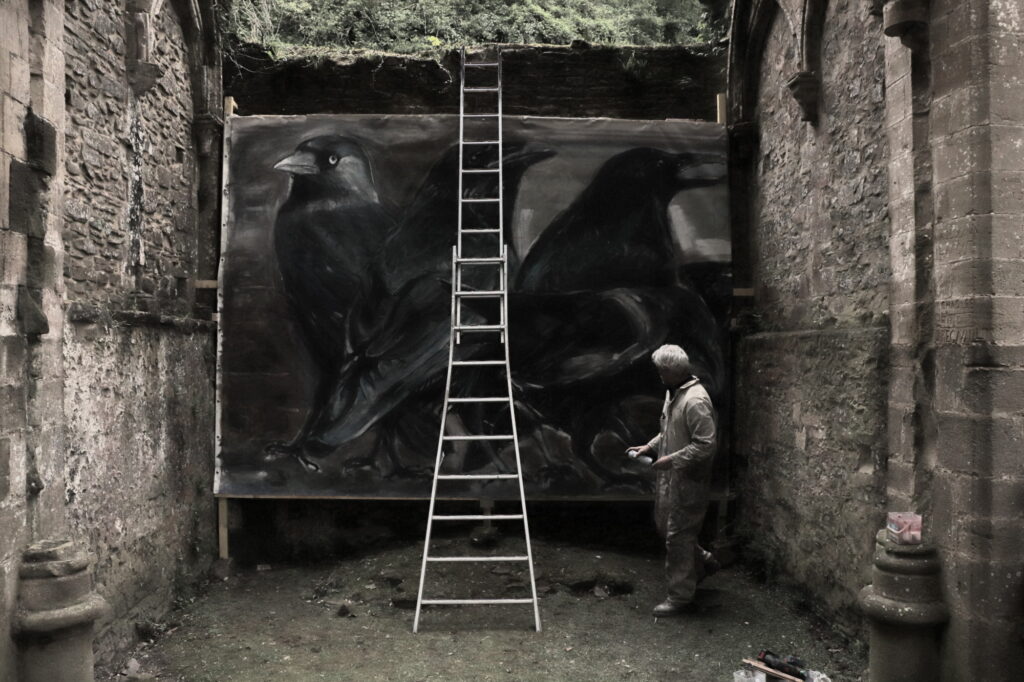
(31, 433)
(13, 514)
(812, 368)
(131, 196)
(106, 375)
(641, 83)
(138, 402)
(976, 496)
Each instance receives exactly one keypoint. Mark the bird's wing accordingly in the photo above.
(562, 340)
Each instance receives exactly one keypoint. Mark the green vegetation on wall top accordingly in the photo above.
(289, 27)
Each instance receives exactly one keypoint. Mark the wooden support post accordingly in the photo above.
(222, 528)
(720, 101)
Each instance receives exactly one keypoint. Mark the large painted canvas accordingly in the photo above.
(336, 285)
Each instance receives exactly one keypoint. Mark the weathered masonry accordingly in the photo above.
(109, 166)
(878, 179)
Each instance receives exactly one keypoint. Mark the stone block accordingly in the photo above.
(12, 359)
(12, 408)
(20, 79)
(1002, 539)
(959, 109)
(1006, 16)
(988, 391)
(14, 127)
(969, 194)
(13, 257)
(992, 588)
(5, 468)
(980, 277)
(1006, 85)
(1008, 192)
(960, 65)
(961, 152)
(40, 143)
(1008, 147)
(978, 237)
(26, 211)
(981, 445)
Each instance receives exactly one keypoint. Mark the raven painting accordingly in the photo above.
(614, 245)
(327, 238)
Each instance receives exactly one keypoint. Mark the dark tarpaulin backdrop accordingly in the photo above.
(336, 299)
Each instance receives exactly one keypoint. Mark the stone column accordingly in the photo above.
(57, 610)
(905, 611)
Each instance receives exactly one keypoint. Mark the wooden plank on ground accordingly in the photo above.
(770, 671)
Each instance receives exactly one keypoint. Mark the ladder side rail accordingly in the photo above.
(501, 162)
(437, 466)
(519, 470)
(503, 277)
(462, 139)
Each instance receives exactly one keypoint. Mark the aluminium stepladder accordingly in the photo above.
(463, 290)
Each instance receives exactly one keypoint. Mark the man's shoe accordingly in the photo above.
(670, 608)
(711, 564)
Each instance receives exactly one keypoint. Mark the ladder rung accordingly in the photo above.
(479, 116)
(487, 437)
(480, 64)
(480, 261)
(481, 142)
(479, 477)
(466, 363)
(481, 170)
(476, 601)
(478, 517)
(488, 399)
(478, 558)
(481, 230)
(479, 328)
(480, 294)
(487, 89)
(487, 200)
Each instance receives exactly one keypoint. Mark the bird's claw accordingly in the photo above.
(279, 449)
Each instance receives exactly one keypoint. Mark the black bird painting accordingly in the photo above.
(617, 231)
(385, 381)
(617, 243)
(600, 289)
(327, 239)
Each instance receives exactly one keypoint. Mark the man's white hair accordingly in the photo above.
(672, 358)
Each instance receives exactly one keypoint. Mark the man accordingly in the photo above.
(683, 452)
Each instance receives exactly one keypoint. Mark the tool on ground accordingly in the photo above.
(479, 275)
(789, 665)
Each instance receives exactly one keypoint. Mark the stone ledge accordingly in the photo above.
(81, 313)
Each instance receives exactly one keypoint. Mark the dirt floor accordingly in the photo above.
(352, 619)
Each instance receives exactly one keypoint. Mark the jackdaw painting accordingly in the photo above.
(336, 300)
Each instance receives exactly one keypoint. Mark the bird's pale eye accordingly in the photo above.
(333, 160)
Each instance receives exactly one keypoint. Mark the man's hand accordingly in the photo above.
(638, 450)
(662, 463)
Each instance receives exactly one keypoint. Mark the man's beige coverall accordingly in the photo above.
(688, 438)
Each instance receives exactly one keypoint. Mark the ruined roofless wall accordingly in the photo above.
(106, 371)
(811, 367)
(139, 403)
(617, 82)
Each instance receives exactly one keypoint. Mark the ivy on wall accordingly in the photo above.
(287, 27)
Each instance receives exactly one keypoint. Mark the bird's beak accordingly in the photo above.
(299, 163)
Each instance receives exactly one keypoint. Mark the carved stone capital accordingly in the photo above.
(906, 20)
(806, 87)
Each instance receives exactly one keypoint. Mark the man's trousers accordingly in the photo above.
(681, 499)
